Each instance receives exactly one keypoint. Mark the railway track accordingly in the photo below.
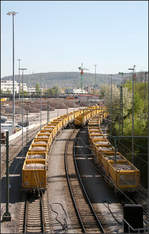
(105, 204)
(35, 215)
(88, 219)
(139, 197)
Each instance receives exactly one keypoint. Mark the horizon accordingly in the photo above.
(108, 74)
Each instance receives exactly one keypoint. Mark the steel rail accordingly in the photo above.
(123, 193)
(25, 217)
(85, 192)
(69, 186)
(41, 216)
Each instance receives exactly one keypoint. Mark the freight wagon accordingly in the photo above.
(34, 171)
(118, 170)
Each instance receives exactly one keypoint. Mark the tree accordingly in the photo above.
(8, 91)
(38, 91)
(53, 91)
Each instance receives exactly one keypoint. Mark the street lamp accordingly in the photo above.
(19, 76)
(111, 109)
(121, 104)
(22, 69)
(133, 76)
(40, 106)
(13, 13)
(95, 77)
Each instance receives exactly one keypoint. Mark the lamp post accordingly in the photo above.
(13, 13)
(132, 133)
(95, 75)
(22, 69)
(40, 106)
(19, 76)
(121, 104)
(111, 108)
(146, 73)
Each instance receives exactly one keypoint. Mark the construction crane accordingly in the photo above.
(82, 69)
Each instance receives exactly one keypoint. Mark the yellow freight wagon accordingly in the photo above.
(32, 155)
(34, 174)
(123, 174)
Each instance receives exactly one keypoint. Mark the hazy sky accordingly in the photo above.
(54, 36)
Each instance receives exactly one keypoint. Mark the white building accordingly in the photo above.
(75, 91)
(31, 90)
(78, 91)
(7, 86)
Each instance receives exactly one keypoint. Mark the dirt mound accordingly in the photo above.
(34, 106)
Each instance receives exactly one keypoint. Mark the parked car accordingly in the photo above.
(3, 119)
(24, 124)
(18, 127)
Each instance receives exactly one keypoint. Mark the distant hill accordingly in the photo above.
(68, 79)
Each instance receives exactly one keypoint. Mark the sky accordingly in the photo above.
(57, 36)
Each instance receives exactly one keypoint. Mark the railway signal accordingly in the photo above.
(3, 138)
(7, 215)
(82, 69)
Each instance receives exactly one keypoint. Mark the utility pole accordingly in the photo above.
(121, 109)
(27, 128)
(47, 113)
(133, 76)
(95, 77)
(81, 73)
(145, 80)
(148, 137)
(22, 69)
(111, 108)
(48, 107)
(13, 13)
(40, 108)
(19, 77)
(121, 104)
(6, 215)
(115, 147)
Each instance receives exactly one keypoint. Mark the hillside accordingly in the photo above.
(66, 79)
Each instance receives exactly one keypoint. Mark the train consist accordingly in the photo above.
(120, 172)
(34, 171)
(86, 114)
(123, 174)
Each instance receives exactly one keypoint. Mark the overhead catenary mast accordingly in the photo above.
(82, 69)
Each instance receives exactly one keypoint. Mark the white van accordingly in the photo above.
(7, 127)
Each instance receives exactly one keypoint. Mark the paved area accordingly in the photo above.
(62, 211)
